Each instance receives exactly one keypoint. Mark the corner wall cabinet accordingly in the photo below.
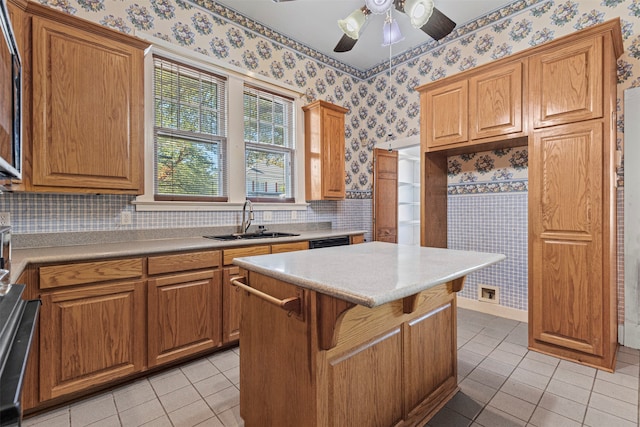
(324, 151)
(558, 98)
(83, 104)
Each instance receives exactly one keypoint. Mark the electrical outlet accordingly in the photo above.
(5, 218)
(125, 218)
(267, 215)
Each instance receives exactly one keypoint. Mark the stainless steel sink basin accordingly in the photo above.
(258, 235)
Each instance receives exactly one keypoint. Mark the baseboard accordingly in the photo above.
(495, 309)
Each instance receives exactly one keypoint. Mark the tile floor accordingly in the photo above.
(501, 382)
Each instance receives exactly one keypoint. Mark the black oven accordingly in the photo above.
(17, 325)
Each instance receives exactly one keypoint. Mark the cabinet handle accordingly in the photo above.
(291, 305)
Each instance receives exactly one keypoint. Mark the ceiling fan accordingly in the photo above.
(422, 13)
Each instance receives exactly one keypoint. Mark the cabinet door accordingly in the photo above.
(495, 102)
(566, 83)
(87, 110)
(333, 177)
(184, 315)
(90, 336)
(565, 267)
(369, 376)
(385, 196)
(230, 306)
(445, 111)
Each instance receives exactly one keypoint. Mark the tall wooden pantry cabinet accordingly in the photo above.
(559, 99)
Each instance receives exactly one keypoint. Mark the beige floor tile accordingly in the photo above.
(614, 406)
(92, 410)
(618, 378)
(533, 365)
(477, 391)
(167, 383)
(530, 378)
(178, 398)
(199, 370)
(493, 417)
(223, 400)
(512, 405)
(191, 415)
(465, 405)
(231, 417)
(233, 375)
(544, 418)
(225, 360)
(212, 385)
(162, 421)
(141, 414)
(572, 377)
(563, 406)
(570, 391)
(504, 356)
(522, 391)
(133, 395)
(112, 421)
(597, 418)
(49, 420)
(616, 391)
(576, 367)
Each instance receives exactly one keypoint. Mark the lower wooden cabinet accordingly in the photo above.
(184, 315)
(231, 306)
(91, 335)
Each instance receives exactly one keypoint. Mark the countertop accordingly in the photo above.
(22, 257)
(369, 274)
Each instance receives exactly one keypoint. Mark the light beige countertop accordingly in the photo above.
(369, 274)
(22, 257)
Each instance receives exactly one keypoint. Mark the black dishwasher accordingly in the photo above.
(329, 241)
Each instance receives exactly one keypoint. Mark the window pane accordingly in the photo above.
(278, 135)
(268, 174)
(278, 114)
(250, 129)
(265, 110)
(266, 133)
(187, 167)
(188, 117)
(209, 122)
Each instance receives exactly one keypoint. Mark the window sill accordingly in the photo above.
(142, 205)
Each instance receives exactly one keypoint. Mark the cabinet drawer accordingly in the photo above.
(183, 262)
(230, 254)
(89, 272)
(289, 247)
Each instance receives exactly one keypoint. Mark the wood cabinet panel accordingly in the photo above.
(566, 171)
(230, 254)
(567, 83)
(54, 276)
(231, 309)
(358, 380)
(324, 151)
(495, 101)
(445, 112)
(183, 262)
(385, 196)
(90, 336)
(87, 122)
(289, 247)
(357, 239)
(184, 315)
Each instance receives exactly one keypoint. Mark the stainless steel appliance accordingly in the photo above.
(17, 324)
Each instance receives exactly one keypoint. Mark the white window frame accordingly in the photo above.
(237, 77)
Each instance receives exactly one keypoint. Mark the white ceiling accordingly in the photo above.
(314, 23)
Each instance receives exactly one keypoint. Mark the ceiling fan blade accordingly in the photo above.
(345, 44)
(439, 25)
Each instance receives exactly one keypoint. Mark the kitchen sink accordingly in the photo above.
(259, 235)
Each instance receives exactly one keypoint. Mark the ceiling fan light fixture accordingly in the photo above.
(353, 23)
(419, 11)
(391, 33)
(378, 7)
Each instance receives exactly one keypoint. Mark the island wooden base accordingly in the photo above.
(338, 364)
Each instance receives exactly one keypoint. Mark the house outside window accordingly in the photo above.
(190, 133)
(269, 136)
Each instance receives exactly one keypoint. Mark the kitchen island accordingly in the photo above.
(360, 335)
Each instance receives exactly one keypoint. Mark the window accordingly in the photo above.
(269, 137)
(190, 132)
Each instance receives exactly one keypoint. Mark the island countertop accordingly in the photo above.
(369, 274)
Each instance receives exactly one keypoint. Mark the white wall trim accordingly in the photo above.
(495, 309)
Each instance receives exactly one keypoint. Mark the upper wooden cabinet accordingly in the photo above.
(495, 101)
(445, 110)
(84, 89)
(324, 151)
(566, 83)
(474, 107)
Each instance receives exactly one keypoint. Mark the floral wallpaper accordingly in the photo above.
(380, 106)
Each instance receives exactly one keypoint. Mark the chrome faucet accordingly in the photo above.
(246, 223)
